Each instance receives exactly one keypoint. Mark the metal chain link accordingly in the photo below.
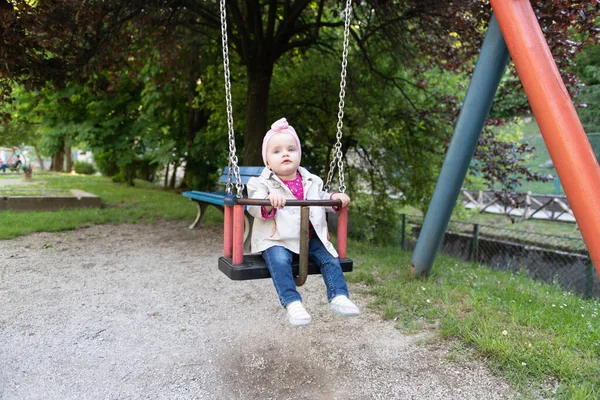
(234, 169)
(337, 152)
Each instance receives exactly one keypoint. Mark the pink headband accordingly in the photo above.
(279, 126)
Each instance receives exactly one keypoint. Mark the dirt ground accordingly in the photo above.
(142, 312)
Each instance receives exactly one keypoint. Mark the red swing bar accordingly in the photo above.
(233, 246)
(228, 231)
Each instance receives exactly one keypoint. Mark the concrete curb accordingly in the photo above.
(78, 199)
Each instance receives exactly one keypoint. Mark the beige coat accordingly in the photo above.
(284, 229)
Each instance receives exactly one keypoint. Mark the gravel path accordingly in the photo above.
(142, 312)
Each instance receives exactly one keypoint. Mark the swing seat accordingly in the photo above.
(254, 267)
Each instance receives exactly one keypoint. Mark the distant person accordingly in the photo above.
(16, 157)
(17, 164)
(3, 165)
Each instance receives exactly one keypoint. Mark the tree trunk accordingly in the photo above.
(167, 175)
(39, 158)
(197, 119)
(174, 175)
(257, 109)
(58, 161)
(69, 158)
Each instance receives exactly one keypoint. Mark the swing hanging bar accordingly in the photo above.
(337, 151)
(233, 263)
(234, 169)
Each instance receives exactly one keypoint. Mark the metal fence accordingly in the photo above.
(550, 258)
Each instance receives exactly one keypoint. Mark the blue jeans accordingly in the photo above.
(279, 263)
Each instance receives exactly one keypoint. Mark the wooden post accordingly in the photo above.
(303, 267)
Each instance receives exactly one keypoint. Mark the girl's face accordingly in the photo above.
(283, 155)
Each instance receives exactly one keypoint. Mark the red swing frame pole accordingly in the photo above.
(238, 235)
(342, 232)
(228, 231)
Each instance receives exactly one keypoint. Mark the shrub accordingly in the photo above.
(374, 220)
(107, 163)
(82, 167)
(145, 168)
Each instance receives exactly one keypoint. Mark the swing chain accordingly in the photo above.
(337, 152)
(234, 169)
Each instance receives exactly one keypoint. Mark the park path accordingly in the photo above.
(142, 312)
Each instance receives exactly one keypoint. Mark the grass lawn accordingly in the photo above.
(541, 339)
(121, 204)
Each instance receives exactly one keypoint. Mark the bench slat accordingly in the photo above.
(212, 198)
(245, 174)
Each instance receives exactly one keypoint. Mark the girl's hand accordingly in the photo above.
(277, 200)
(343, 197)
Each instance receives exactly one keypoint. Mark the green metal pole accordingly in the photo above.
(475, 248)
(476, 107)
(556, 185)
(589, 282)
(403, 234)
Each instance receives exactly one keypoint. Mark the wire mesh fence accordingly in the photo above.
(555, 259)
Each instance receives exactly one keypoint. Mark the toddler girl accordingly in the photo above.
(276, 229)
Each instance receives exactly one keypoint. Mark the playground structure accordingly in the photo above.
(514, 31)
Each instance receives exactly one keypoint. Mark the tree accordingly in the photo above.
(68, 40)
(588, 68)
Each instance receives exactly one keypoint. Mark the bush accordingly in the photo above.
(374, 220)
(145, 168)
(85, 168)
(107, 163)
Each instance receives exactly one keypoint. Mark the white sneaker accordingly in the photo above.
(297, 315)
(342, 305)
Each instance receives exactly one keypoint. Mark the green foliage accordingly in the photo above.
(510, 100)
(374, 220)
(106, 163)
(394, 131)
(140, 168)
(145, 168)
(82, 167)
(23, 122)
(404, 131)
(588, 69)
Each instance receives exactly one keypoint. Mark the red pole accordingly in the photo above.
(238, 234)
(565, 138)
(228, 232)
(342, 232)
